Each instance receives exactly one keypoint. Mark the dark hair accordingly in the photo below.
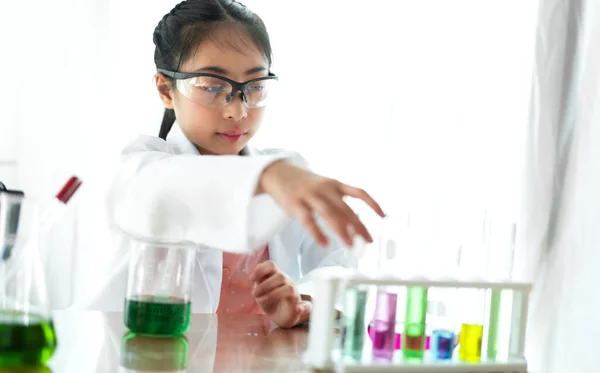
(179, 33)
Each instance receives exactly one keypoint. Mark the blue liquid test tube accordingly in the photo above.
(442, 344)
(384, 325)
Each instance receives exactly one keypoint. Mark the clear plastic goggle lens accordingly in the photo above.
(215, 92)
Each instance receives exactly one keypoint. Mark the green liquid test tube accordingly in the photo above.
(492, 345)
(413, 338)
(354, 317)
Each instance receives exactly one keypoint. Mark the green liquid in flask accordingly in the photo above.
(25, 339)
(157, 316)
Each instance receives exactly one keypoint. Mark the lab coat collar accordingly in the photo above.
(177, 138)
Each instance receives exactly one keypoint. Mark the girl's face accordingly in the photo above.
(219, 130)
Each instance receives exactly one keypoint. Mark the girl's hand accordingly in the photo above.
(277, 295)
(302, 193)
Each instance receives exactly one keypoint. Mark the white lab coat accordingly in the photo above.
(167, 190)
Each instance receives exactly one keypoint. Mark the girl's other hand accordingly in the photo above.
(302, 193)
(277, 295)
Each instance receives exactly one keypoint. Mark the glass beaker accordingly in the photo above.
(27, 335)
(159, 287)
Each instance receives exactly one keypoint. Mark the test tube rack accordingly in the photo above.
(323, 354)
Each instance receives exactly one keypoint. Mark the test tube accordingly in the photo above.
(471, 332)
(470, 342)
(354, 317)
(413, 338)
(493, 325)
(384, 325)
(442, 344)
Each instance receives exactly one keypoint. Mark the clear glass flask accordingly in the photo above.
(27, 335)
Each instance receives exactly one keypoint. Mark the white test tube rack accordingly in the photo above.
(320, 353)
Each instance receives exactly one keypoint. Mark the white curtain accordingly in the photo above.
(423, 103)
(560, 239)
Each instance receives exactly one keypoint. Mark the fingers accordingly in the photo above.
(339, 216)
(263, 270)
(327, 201)
(333, 216)
(270, 284)
(282, 292)
(304, 307)
(363, 195)
(352, 220)
(305, 216)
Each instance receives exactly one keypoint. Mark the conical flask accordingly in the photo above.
(27, 336)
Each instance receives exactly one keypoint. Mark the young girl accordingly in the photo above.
(199, 181)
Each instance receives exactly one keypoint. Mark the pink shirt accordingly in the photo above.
(236, 290)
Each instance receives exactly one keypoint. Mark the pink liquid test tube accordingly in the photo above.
(384, 325)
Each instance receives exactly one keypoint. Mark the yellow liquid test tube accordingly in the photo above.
(470, 342)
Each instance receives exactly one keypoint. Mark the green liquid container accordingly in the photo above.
(159, 287)
(494, 324)
(27, 335)
(25, 340)
(159, 317)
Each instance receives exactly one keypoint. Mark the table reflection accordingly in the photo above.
(98, 342)
(147, 354)
(40, 369)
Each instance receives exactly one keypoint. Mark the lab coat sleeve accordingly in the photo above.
(207, 200)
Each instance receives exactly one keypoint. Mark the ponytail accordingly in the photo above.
(167, 123)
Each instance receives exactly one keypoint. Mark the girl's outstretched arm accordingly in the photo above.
(208, 200)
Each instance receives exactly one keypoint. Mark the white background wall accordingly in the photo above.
(427, 101)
